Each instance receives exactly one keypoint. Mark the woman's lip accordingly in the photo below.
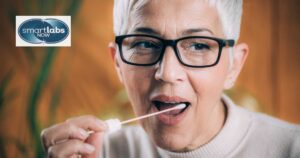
(166, 98)
(168, 119)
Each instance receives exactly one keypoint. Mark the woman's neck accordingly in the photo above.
(212, 127)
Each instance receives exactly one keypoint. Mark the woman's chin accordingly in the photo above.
(168, 137)
(172, 143)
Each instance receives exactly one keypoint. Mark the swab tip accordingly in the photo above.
(180, 106)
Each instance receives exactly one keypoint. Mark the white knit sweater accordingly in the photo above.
(245, 134)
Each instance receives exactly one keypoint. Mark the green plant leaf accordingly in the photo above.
(3, 86)
(35, 94)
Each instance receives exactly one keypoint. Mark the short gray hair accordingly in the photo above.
(230, 12)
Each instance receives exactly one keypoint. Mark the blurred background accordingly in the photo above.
(43, 86)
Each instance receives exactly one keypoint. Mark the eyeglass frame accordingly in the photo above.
(173, 43)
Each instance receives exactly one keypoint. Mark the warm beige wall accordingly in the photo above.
(271, 74)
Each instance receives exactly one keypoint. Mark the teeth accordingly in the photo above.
(171, 102)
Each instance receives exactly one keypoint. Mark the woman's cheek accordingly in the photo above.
(138, 85)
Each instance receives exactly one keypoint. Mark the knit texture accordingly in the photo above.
(245, 134)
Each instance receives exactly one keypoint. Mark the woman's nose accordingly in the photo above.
(169, 68)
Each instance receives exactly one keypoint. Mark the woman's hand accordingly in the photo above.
(71, 138)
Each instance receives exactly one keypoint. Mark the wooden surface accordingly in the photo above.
(271, 73)
(288, 59)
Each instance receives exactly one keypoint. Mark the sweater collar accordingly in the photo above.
(228, 139)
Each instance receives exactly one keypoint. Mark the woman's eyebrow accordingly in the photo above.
(151, 31)
(146, 30)
(196, 30)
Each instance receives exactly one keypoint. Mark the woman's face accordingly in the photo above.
(169, 82)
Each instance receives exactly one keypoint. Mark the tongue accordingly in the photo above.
(173, 112)
(168, 106)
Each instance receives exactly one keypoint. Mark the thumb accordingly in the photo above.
(96, 140)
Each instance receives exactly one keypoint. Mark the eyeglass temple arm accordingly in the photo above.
(229, 43)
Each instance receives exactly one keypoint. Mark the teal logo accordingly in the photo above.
(49, 31)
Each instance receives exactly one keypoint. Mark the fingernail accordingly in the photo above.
(83, 133)
(89, 148)
(103, 125)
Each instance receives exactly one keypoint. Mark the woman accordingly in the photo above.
(170, 52)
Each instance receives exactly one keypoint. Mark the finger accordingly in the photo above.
(70, 148)
(61, 132)
(72, 128)
(88, 122)
(95, 139)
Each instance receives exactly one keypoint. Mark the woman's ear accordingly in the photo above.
(240, 53)
(113, 52)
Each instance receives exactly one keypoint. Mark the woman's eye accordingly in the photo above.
(144, 45)
(199, 46)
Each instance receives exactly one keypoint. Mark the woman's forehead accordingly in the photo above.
(175, 16)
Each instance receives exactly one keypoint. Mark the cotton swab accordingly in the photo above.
(116, 124)
(180, 106)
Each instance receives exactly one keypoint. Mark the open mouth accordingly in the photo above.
(166, 105)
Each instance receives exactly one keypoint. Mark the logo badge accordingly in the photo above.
(43, 31)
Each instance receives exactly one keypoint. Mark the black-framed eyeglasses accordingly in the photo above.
(192, 51)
